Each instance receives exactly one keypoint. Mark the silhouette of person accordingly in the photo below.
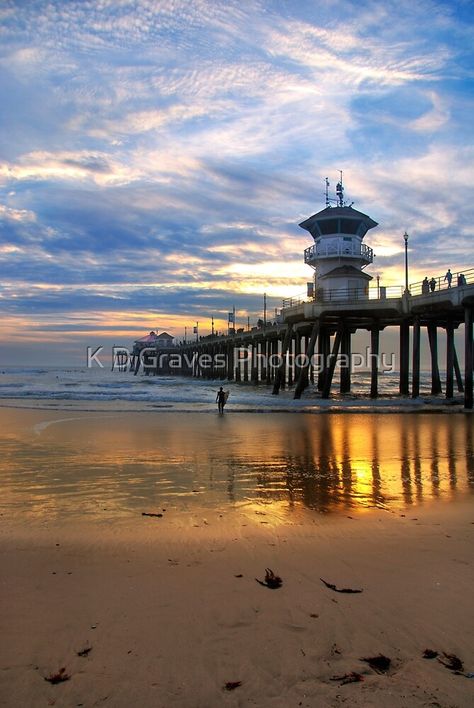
(432, 285)
(449, 277)
(220, 400)
(425, 286)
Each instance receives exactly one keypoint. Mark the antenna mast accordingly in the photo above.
(340, 191)
(339, 201)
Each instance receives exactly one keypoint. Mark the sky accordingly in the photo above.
(156, 157)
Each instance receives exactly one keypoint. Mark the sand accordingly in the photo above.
(169, 623)
(170, 610)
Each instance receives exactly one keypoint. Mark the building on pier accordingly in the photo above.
(338, 254)
(154, 340)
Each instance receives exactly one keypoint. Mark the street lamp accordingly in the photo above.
(405, 236)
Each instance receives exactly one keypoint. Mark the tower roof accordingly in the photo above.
(346, 271)
(345, 212)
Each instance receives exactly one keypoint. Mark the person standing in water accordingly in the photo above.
(220, 400)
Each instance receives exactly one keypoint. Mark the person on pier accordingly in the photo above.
(433, 285)
(449, 277)
(425, 286)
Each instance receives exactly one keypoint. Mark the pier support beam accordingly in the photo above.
(263, 359)
(323, 355)
(137, 364)
(230, 362)
(433, 341)
(246, 365)
(268, 353)
(275, 359)
(345, 382)
(332, 365)
(415, 384)
(198, 368)
(299, 349)
(291, 361)
(374, 360)
(404, 357)
(457, 371)
(468, 352)
(449, 360)
(280, 373)
(254, 369)
(303, 376)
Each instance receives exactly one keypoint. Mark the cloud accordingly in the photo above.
(158, 157)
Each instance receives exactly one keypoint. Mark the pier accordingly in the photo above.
(313, 334)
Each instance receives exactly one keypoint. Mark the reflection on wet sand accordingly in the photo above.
(120, 464)
(365, 461)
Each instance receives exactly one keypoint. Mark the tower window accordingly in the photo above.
(329, 226)
(350, 226)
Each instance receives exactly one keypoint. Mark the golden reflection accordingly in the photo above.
(106, 466)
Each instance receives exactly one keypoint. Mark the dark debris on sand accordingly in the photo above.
(232, 685)
(58, 677)
(453, 662)
(271, 581)
(379, 663)
(331, 586)
(430, 654)
(84, 652)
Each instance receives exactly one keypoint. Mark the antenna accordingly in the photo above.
(340, 191)
(339, 201)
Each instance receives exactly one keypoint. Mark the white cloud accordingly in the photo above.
(8, 213)
(434, 119)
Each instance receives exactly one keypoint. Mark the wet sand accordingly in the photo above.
(158, 600)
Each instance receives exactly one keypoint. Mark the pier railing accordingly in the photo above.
(383, 292)
(329, 249)
(347, 295)
(441, 282)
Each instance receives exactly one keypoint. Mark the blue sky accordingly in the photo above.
(157, 157)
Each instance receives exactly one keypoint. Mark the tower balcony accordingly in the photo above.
(334, 248)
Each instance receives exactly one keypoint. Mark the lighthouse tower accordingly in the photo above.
(338, 255)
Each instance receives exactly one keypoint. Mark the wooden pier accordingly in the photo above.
(282, 355)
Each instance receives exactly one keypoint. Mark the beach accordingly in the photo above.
(132, 543)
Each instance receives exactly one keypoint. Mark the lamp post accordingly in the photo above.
(405, 237)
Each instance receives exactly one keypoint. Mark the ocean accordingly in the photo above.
(97, 389)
